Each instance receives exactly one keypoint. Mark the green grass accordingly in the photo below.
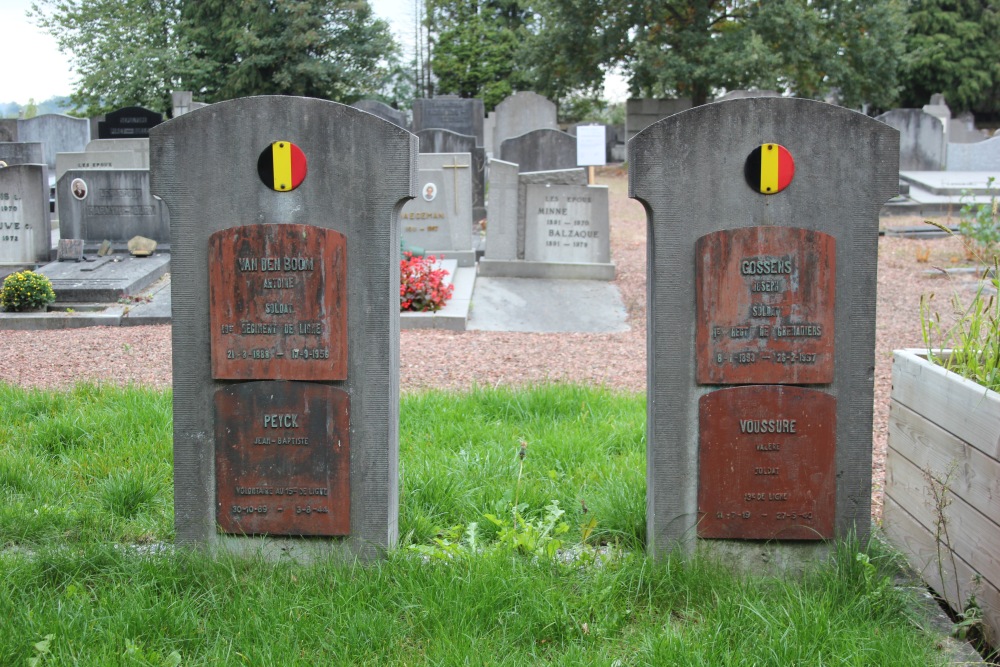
(85, 476)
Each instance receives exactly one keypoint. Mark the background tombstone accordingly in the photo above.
(205, 167)
(128, 123)
(690, 173)
(98, 160)
(383, 111)
(520, 113)
(57, 134)
(502, 212)
(641, 113)
(19, 152)
(922, 140)
(439, 219)
(110, 204)
(540, 150)
(8, 130)
(183, 102)
(446, 141)
(516, 243)
(448, 112)
(140, 147)
(25, 238)
(979, 156)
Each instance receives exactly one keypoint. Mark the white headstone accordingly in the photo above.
(439, 219)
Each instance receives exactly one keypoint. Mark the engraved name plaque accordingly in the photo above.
(278, 296)
(765, 306)
(282, 459)
(766, 463)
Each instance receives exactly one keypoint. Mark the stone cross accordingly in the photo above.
(456, 166)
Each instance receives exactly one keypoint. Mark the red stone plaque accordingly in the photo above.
(278, 303)
(765, 306)
(766, 466)
(282, 459)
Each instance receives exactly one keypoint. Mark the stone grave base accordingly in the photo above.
(939, 192)
(153, 307)
(455, 314)
(547, 306)
(516, 268)
(106, 279)
(463, 258)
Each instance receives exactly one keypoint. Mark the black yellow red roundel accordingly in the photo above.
(282, 166)
(769, 168)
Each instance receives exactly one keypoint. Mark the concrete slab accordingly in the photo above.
(105, 279)
(517, 268)
(547, 306)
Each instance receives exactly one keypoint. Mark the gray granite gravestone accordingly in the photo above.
(515, 246)
(110, 204)
(501, 212)
(923, 143)
(128, 123)
(640, 113)
(8, 130)
(520, 113)
(383, 111)
(138, 146)
(540, 150)
(439, 219)
(212, 167)
(461, 115)
(446, 141)
(98, 160)
(19, 152)
(979, 156)
(709, 228)
(57, 134)
(24, 215)
(567, 224)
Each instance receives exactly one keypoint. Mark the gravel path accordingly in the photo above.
(433, 359)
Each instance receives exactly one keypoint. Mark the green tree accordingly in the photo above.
(695, 48)
(477, 47)
(954, 48)
(125, 52)
(30, 109)
(129, 52)
(332, 49)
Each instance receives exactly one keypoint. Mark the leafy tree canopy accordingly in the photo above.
(477, 47)
(333, 49)
(125, 52)
(135, 52)
(954, 48)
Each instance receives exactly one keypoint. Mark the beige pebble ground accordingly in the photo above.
(430, 359)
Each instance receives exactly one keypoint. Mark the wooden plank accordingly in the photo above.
(975, 477)
(917, 544)
(959, 406)
(973, 536)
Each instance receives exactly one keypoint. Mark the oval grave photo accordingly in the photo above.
(79, 188)
(430, 192)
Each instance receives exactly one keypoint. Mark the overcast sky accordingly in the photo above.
(34, 67)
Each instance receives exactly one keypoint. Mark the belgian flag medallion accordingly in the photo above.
(769, 168)
(282, 166)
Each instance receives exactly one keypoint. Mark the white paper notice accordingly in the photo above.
(590, 145)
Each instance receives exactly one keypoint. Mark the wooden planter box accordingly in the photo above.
(945, 426)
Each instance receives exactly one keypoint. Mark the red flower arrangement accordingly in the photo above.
(422, 287)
